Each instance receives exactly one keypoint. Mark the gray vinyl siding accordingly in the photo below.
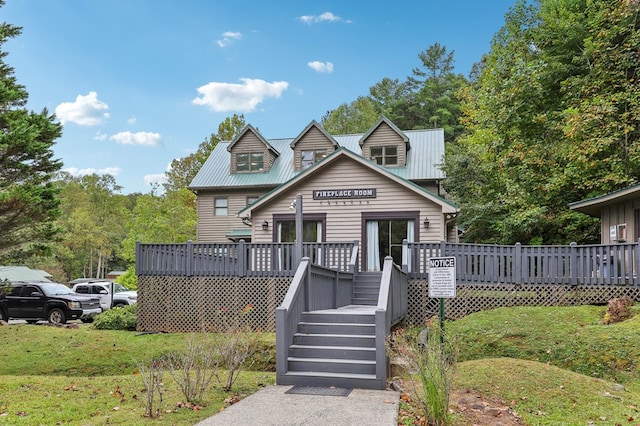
(251, 143)
(385, 136)
(344, 217)
(211, 228)
(313, 139)
(618, 214)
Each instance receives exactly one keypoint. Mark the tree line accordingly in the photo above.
(549, 116)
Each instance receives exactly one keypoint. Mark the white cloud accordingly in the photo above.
(132, 120)
(225, 97)
(100, 136)
(74, 171)
(85, 111)
(140, 138)
(155, 179)
(228, 37)
(321, 66)
(325, 17)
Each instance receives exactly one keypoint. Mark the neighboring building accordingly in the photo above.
(378, 188)
(619, 214)
(22, 273)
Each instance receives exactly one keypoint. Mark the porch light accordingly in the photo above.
(426, 223)
(265, 226)
(292, 206)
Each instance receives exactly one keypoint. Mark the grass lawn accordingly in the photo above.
(553, 366)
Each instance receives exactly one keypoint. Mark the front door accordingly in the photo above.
(384, 238)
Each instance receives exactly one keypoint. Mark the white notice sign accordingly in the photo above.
(442, 277)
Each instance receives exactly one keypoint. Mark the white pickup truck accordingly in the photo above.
(122, 296)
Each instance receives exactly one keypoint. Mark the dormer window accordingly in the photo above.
(250, 162)
(310, 157)
(385, 155)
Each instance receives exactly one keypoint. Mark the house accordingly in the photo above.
(379, 188)
(619, 214)
(23, 273)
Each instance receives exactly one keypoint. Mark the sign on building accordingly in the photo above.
(442, 277)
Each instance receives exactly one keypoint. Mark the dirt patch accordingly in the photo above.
(482, 411)
(470, 409)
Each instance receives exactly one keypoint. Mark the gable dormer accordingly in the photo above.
(311, 146)
(251, 153)
(385, 144)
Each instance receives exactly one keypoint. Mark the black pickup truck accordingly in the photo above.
(53, 302)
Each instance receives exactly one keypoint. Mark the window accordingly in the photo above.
(221, 206)
(385, 155)
(250, 162)
(251, 200)
(309, 157)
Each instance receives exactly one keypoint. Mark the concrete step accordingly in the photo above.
(325, 365)
(332, 352)
(368, 341)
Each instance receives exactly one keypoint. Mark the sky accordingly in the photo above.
(138, 83)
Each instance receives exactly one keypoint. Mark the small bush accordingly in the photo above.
(124, 318)
(618, 310)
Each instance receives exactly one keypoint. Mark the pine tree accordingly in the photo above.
(28, 197)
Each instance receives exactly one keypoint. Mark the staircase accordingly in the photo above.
(337, 347)
(366, 288)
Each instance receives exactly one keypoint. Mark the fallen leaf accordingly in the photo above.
(116, 408)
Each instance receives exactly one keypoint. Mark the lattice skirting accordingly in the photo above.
(188, 304)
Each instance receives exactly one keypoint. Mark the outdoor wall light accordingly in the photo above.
(292, 206)
(265, 225)
(426, 223)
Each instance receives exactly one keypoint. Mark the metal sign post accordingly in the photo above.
(442, 283)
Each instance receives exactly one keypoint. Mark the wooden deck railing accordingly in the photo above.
(237, 259)
(614, 264)
(597, 264)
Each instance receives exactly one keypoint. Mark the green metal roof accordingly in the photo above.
(236, 233)
(423, 160)
(593, 206)
(22, 273)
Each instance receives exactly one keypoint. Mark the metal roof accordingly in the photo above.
(423, 160)
(22, 273)
(593, 206)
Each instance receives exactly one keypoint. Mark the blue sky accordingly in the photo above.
(137, 83)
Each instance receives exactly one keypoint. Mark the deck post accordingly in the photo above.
(573, 263)
(189, 258)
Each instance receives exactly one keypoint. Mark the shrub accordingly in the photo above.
(618, 310)
(121, 318)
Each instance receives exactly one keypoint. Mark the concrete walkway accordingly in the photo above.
(272, 406)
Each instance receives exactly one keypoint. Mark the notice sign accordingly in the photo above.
(442, 277)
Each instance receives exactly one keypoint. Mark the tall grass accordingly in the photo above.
(430, 359)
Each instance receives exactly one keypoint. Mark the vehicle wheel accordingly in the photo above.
(86, 320)
(56, 316)
(119, 305)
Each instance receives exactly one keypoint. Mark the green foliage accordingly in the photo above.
(161, 219)
(183, 170)
(28, 199)
(124, 318)
(129, 279)
(551, 118)
(355, 117)
(93, 219)
(427, 99)
(572, 338)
